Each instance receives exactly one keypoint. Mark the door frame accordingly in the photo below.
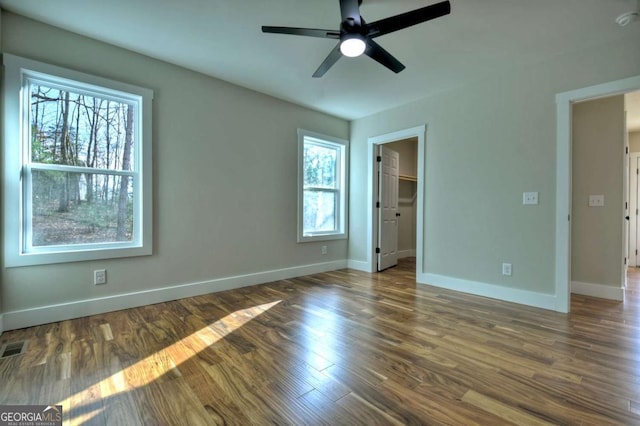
(626, 158)
(564, 103)
(419, 132)
(633, 204)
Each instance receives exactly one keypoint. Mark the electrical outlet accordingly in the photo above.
(324, 249)
(100, 276)
(506, 269)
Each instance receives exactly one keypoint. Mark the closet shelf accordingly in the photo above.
(408, 200)
(407, 177)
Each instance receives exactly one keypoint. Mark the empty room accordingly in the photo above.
(320, 212)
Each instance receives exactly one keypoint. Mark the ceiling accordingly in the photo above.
(222, 38)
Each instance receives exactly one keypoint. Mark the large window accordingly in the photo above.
(322, 177)
(77, 157)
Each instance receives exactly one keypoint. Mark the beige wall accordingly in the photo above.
(408, 151)
(597, 169)
(225, 168)
(634, 141)
(488, 142)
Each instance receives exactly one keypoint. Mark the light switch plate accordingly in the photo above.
(596, 200)
(506, 269)
(529, 198)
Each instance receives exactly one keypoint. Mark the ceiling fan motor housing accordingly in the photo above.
(356, 36)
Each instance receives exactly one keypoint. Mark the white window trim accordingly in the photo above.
(14, 109)
(343, 208)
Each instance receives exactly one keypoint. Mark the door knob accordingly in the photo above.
(626, 217)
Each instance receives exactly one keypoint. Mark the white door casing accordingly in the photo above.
(419, 132)
(634, 166)
(625, 212)
(564, 103)
(388, 171)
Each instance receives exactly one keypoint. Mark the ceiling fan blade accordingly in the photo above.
(404, 20)
(309, 32)
(328, 62)
(350, 11)
(377, 52)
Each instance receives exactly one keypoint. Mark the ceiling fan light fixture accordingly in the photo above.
(626, 18)
(356, 37)
(353, 46)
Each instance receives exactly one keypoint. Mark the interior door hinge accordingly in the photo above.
(625, 205)
(636, 252)
(625, 260)
(626, 150)
(379, 159)
(378, 204)
(569, 218)
(377, 250)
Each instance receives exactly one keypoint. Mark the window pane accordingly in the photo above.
(80, 208)
(319, 211)
(80, 130)
(320, 166)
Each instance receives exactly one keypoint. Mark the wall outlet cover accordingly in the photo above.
(99, 276)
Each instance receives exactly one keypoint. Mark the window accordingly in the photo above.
(322, 187)
(77, 166)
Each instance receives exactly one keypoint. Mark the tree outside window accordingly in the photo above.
(77, 165)
(322, 201)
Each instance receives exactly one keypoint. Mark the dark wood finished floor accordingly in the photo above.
(344, 347)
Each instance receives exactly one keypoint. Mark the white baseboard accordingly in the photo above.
(598, 290)
(359, 265)
(406, 253)
(493, 291)
(52, 313)
(1, 324)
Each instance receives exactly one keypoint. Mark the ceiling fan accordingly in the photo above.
(356, 36)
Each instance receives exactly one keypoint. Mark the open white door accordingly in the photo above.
(388, 170)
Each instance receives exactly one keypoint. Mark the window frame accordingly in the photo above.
(342, 213)
(17, 164)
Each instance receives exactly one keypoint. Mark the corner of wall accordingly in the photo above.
(358, 265)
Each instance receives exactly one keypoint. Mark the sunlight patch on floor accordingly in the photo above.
(165, 361)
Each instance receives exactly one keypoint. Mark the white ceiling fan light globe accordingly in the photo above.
(629, 17)
(352, 47)
(626, 18)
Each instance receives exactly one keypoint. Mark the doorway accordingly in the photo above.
(396, 201)
(419, 135)
(564, 103)
(599, 197)
(632, 104)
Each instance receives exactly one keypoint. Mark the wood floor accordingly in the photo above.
(337, 348)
